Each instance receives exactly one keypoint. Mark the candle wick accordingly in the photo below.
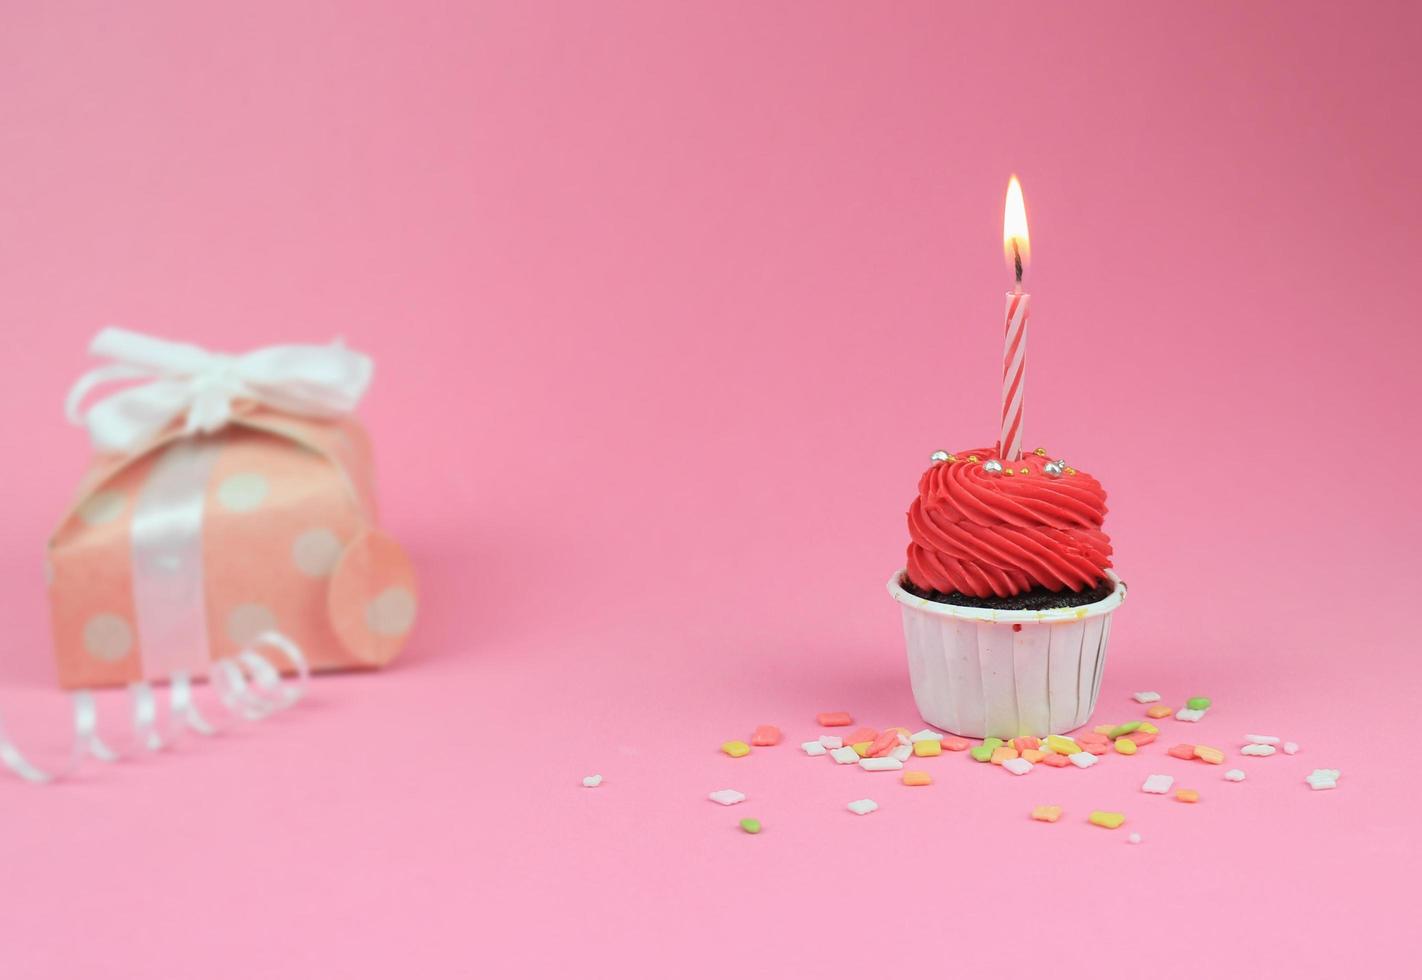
(1017, 262)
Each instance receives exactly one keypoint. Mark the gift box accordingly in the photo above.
(231, 500)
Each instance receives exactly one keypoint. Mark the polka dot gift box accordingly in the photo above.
(229, 502)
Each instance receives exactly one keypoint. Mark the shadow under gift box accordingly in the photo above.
(179, 554)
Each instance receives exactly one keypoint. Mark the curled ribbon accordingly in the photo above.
(175, 381)
(247, 686)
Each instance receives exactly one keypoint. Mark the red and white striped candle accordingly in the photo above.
(1014, 350)
(1014, 375)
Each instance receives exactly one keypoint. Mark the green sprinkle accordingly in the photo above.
(992, 743)
(981, 753)
(1198, 704)
(1125, 729)
(750, 825)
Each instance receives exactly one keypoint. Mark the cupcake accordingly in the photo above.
(1007, 594)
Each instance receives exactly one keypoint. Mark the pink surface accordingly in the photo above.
(670, 305)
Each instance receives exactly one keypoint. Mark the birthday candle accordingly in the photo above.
(1014, 351)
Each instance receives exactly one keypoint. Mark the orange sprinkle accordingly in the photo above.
(765, 735)
(884, 744)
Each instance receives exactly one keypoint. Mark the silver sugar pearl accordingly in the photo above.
(992, 466)
(1053, 469)
(939, 457)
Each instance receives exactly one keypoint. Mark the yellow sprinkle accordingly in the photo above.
(913, 777)
(1211, 755)
(1149, 729)
(735, 749)
(1125, 746)
(862, 748)
(1062, 744)
(1047, 813)
(930, 746)
(1107, 819)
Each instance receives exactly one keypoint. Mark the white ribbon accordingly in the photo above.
(264, 694)
(183, 381)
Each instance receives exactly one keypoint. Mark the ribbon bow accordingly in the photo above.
(185, 380)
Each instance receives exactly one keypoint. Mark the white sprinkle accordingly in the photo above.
(845, 756)
(727, 797)
(1323, 778)
(1133, 839)
(1082, 760)
(831, 741)
(1258, 750)
(901, 752)
(881, 764)
(1290, 748)
(862, 807)
(591, 781)
(1235, 775)
(1190, 714)
(1146, 697)
(813, 748)
(1262, 739)
(1157, 784)
(1018, 767)
(927, 735)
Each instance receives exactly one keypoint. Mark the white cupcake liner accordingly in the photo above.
(1005, 672)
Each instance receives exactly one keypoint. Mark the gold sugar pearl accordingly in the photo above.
(1024, 471)
(1007, 472)
(972, 459)
(1040, 451)
(1071, 470)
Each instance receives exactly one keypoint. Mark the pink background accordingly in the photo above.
(670, 304)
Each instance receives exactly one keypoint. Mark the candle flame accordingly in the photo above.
(1015, 244)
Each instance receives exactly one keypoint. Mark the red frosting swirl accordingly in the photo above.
(994, 534)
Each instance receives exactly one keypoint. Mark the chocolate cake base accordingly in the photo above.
(1038, 598)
